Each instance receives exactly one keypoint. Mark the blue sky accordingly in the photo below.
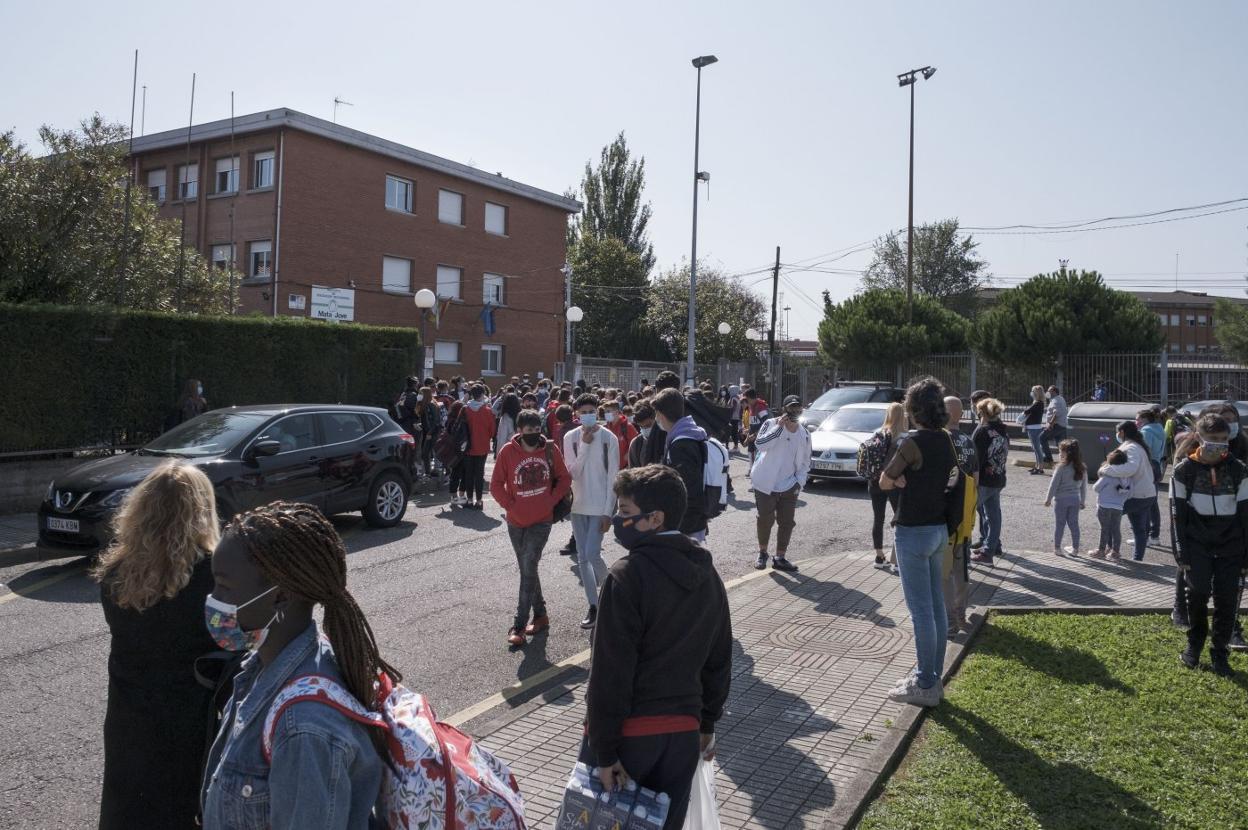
(1039, 112)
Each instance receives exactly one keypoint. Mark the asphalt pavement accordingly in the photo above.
(439, 590)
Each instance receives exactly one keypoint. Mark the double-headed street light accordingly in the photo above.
(698, 176)
(909, 79)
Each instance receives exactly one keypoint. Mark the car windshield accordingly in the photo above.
(836, 398)
(854, 420)
(213, 433)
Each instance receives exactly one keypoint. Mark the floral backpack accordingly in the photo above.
(474, 791)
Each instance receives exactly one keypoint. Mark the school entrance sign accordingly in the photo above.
(336, 304)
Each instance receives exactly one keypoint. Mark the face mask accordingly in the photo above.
(221, 619)
(794, 412)
(1218, 448)
(531, 440)
(626, 531)
(645, 431)
(1234, 429)
(588, 420)
(611, 416)
(199, 390)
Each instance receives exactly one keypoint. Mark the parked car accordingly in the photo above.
(847, 393)
(339, 458)
(834, 445)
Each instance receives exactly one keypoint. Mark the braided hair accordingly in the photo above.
(297, 549)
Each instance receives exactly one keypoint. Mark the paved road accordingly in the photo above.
(439, 591)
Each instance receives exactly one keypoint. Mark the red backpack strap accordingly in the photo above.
(315, 688)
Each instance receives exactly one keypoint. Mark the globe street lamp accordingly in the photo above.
(909, 79)
(724, 328)
(698, 63)
(574, 315)
(425, 300)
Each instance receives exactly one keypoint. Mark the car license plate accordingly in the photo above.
(827, 465)
(63, 525)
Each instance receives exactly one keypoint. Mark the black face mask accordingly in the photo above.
(531, 439)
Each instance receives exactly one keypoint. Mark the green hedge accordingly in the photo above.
(80, 377)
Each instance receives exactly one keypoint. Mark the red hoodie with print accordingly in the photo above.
(481, 428)
(524, 483)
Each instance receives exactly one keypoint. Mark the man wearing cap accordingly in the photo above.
(779, 473)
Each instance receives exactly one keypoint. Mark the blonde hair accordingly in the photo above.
(990, 408)
(895, 419)
(164, 527)
(1037, 392)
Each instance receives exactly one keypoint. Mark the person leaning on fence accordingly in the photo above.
(661, 663)
(1209, 506)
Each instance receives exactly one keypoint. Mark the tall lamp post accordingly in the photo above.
(909, 79)
(425, 300)
(698, 176)
(574, 315)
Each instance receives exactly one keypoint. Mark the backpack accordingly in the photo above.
(873, 455)
(474, 791)
(564, 508)
(715, 477)
(452, 443)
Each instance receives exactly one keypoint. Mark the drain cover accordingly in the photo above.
(856, 636)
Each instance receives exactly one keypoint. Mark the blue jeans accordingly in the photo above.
(1137, 511)
(1154, 512)
(588, 533)
(989, 507)
(1037, 443)
(920, 561)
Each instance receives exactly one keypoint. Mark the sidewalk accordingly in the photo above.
(815, 654)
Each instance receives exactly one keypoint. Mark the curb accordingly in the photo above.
(20, 555)
(861, 793)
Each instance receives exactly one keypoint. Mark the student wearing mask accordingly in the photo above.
(779, 474)
(529, 479)
(620, 427)
(273, 566)
(662, 656)
(481, 427)
(593, 458)
(685, 452)
(644, 419)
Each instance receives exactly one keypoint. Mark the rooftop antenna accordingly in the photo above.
(337, 103)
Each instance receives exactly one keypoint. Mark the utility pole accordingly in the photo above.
(123, 265)
(771, 332)
(198, 178)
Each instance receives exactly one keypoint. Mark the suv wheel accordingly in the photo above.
(387, 501)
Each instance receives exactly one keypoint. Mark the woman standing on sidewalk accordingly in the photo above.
(1033, 425)
(1139, 472)
(153, 583)
(925, 468)
(992, 447)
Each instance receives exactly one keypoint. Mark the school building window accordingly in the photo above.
(445, 351)
(262, 169)
(156, 184)
(491, 360)
(222, 256)
(261, 258)
(227, 175)
(398, 194)
(188, 181)
(396, 274)
(493, 293)
(495, 219)
(449, 281)
(450, 207)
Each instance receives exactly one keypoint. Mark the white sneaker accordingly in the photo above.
(1071, 550)
(909, 691)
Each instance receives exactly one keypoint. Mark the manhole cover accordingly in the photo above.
(859, 637)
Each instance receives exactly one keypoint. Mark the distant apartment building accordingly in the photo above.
(1186, 317)
(325, 221)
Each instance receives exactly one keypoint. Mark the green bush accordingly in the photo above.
(79, 377)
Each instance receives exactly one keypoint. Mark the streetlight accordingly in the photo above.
(425, 300)
(909, 79)
(698, 176)
(574, 315)
(724, 328)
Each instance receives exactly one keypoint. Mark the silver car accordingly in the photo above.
(835, 442)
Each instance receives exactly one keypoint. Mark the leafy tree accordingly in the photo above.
(871, 327)
(62, 230)
(1232, 329)
(1062, 313)
(611, 194)
(609, 284)
(947, 267)
(720, 299)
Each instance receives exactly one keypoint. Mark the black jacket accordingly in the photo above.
(688, 458)
(663, 642)
(1209, 505)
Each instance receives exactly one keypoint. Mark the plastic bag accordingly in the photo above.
(703, 810)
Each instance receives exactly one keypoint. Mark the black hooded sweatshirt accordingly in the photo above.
(663, 642)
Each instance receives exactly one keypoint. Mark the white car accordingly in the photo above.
(835, 442)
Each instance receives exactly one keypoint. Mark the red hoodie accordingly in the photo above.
(481, 428)
(625, 432)
(522, 482)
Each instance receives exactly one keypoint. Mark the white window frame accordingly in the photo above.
(157, 179)
(396, 275)
(188, 180)
(259, 246)
(493, 289)
(1164, 317)
(226, 261)
(1175, 321)
(258, 165)
(494, 208)
(440, 351)
(227, 167)
(443, 211)
(491, 349)
(404, 188)
(1202, 320)
(446, 271)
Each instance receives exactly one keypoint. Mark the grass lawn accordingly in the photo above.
(1066, 721)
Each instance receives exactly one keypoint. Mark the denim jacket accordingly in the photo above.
(325, 771)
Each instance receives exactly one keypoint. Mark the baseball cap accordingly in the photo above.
(792, 400)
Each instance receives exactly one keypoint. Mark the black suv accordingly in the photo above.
(845, 393)
(339, 458)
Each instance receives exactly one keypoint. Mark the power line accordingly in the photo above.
(1109, 227)
(1086, 223)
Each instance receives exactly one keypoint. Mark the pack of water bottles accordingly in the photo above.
(588, 806)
